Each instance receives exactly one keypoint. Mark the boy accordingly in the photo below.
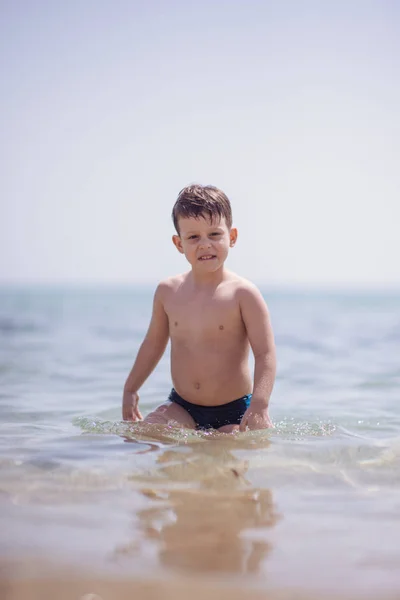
(212, 317)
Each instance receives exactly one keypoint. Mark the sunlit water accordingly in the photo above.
(312, 505)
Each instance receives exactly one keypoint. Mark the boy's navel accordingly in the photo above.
(221, 327)
(197, 386)
(176, 323)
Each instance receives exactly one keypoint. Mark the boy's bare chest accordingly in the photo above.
(203, 318)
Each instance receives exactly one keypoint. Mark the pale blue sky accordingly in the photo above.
(109, 108)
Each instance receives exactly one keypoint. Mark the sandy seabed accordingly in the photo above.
(31, 581)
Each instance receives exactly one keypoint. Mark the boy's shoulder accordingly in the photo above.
(241, 284)
(170, 284)
(247, 294)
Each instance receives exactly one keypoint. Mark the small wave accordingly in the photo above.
(297, 343)
(298, 430)
(140, 431)
(173, 433)
(10, 326)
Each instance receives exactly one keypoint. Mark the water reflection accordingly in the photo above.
(202, 511)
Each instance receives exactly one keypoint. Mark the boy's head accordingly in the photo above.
(202, 216)
(202, 201)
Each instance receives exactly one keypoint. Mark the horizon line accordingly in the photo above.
(272, 285)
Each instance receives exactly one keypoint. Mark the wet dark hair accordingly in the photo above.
(202, 201)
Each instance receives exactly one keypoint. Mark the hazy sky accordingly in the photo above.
(109, 108)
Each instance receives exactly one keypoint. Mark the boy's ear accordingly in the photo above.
(233, 236)
(178, 243)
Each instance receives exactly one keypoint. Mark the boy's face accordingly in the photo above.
(204, 243)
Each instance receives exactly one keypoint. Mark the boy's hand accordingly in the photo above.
(130, 409)
(256, 417)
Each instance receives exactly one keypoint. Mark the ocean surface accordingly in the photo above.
(311, 507)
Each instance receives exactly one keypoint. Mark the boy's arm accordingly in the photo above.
(256, 318)
(150, 352)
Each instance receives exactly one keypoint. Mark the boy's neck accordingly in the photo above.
(206, 280)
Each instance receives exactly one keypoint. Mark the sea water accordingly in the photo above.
(311, 506)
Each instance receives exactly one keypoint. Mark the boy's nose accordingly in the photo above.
(204, 243)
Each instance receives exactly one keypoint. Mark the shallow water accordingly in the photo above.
(311, 506)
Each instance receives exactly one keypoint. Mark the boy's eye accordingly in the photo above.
(216, 233)
(192, 237)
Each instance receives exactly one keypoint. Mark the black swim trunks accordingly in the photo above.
(207, 417)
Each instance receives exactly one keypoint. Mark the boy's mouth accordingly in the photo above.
(207, 257)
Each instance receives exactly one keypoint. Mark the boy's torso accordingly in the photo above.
(209, 345)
